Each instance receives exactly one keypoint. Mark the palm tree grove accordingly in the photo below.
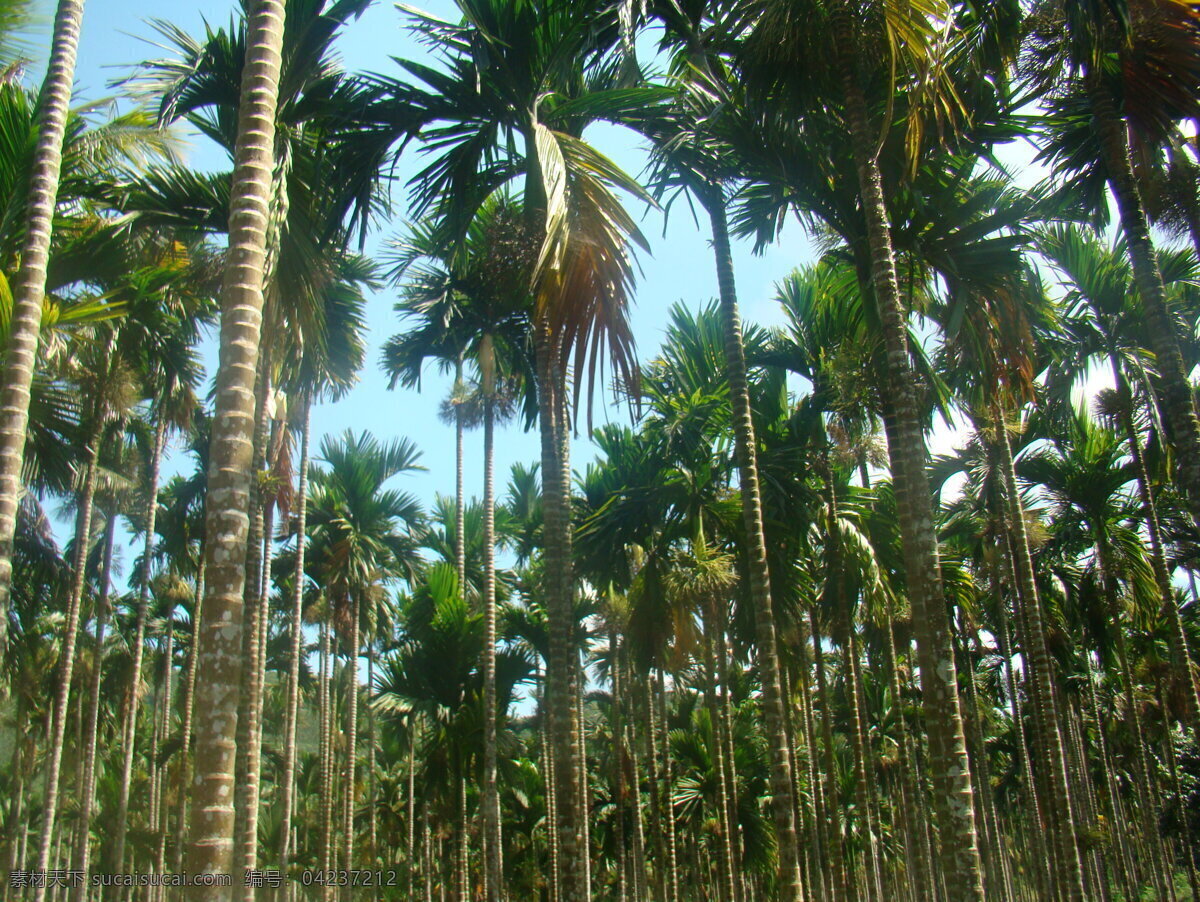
(616, 450)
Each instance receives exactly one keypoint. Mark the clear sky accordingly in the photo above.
(117, 33)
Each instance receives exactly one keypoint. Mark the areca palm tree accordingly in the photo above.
(26, 317)
(227, 514)
(1107, 70)
(362, 539)
(477, 297)
(523, 83)
(852, 104)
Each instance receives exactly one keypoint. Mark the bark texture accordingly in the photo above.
(783, 805)
(231, 454)
(29, 288)
(958, 851)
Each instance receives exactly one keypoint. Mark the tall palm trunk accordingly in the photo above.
(325, 703)
(725, 866)
(460, 497)
(288, 777)
(1070, 878)
(1175, 392)
(491, 794)
(66, 664)
(564, 729)
(88, 788)
(188, 705)
(617, 727)
(250, 699)
(843, 884)
(782, 803)
(351, 730)
(231, 453)
(1158, 557)
(668, 804)
(29, 288)
(907, 452)
(158, 818)
(1062, 828)
(139, 644)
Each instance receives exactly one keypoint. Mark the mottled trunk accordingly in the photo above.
(326, 705)
(617, 726)
(1147, 807)
(159, 820)
(843, 886)
(958, 852)
(1158, 556)
(1036, 810)
(29, 287)
(1062, 827)
(460, 498)
(491, 792)
(66, 663)
(672, 862)
(231, 455)
(139, 644)
(820, 853)
(1162, 328)
(725, 866)
(250, 700)
(185, 730)
(88, 787)
(918, 866)
(782, 804)
(559, 589)
(864, 784)
(352, 643)
(287, 780)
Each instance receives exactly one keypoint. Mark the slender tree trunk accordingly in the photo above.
(617, 725)
(88, 787)
(843, 885)
(1036, 809)
(185, 730)
(29, 287)
(953, 805)
(821, 864)
(1158, 557)
(372, 819)
(1162, 329)
(725, 866)
(640, 886)
(326, 705)
(672, 862)
(864, 782)
(159, 821)
(1070, 878)
(66, 663)
(288, 778)
(351, 730)
(250, 700)
(412, 869)
(918, 866)
(231, 453)
(139, 644)
(782, 804)
(559, 588)
(460, 497)
(491, 794)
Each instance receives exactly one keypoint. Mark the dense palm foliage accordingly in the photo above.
(763, 645)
